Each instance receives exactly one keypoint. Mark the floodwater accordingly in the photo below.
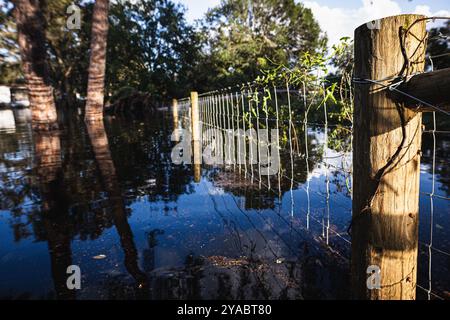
(110, 201)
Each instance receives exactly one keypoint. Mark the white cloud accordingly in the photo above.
(341, 22)
(423, 9)
(426, 10)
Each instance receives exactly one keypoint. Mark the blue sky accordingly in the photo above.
(339, 18)
(197, 8)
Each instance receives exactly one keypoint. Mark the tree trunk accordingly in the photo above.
(31, 38)
(96, 82)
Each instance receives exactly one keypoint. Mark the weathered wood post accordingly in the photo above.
(175, 119)
(197, 151)
(195, 117)
(386, 158)
(196, 136)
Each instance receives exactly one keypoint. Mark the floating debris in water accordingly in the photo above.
(220, 261)
(99, 257)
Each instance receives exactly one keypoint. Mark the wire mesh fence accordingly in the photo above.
(291, 139)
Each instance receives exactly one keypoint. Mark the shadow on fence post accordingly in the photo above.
(386, 159)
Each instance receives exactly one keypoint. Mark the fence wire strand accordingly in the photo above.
(237, 112)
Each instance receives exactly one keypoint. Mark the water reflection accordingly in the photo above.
(7, 122)
(53, 208)
(168, 231)
(100, 145)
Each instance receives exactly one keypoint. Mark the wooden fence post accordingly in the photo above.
(195, 117)
(175, 119)
(386, 159)
(196, 138)
(197, 152)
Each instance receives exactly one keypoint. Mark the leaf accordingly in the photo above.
(99, 257)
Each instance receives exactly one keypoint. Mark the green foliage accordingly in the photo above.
(152, 48)
(9, 50)
(308, 72)
(245, 36)
(439, 46)
(122, 93)
(342, 110)
(10, 73)
(314, 90)
(67, 48)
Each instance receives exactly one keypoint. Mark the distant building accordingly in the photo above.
(19, 96)
(15, 96)
(7, 121)
(5, 95)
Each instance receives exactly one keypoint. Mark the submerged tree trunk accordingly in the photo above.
(31, 38)
(96, 82)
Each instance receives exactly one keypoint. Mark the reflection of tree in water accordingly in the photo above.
(100, 145)
(240, 184)
(442, 155)
(149, 253)
(51, 223)
(62, 197)
(74, 174)
(62, 189)
(146, 149)
(15, 161)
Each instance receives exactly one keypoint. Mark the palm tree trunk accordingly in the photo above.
(96, 82)
(31, 38)
(100, 146)
(54, 208)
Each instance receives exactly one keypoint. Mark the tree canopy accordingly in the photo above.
(153, 49)
(9, 49)
(246, 35)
